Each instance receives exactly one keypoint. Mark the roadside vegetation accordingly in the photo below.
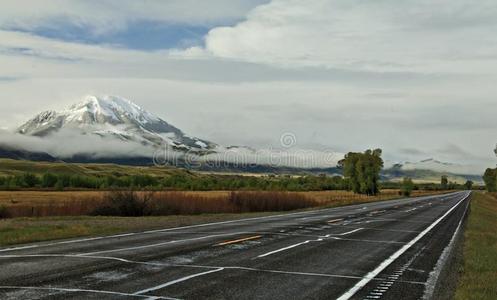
(17, 204)
(478, 279)
(39, 216)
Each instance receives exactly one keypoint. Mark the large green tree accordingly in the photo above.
(490, 179)
(363, 171)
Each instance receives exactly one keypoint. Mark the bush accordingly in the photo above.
(4, 212)
(269, 201)
(124, 204)
(48, 180)
(407, 187)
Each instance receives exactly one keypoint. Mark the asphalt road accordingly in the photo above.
(382, 250)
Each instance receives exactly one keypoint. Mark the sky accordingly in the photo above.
(416, 78)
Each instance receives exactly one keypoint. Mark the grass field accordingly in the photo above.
(75, 203)
(10, 167)
(479, 271)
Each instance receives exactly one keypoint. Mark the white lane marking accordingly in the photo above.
(286, 248)
(381, 229)
(331, 236)
(176, 281)
(350, 232)
(334, 209)
(157, 264)
(71, 290)
(365, 241)
(158, 244)
(18, 248)
(351, 292)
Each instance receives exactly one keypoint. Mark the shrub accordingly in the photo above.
(4, 212)
(407, 187)
(124, 204)
(269, 201)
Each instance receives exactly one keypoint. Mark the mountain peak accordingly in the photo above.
(108, 109)
(112, 117)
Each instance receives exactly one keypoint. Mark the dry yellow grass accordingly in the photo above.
(40, 198)
(24, 230)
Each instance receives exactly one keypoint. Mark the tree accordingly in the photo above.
(444, 182)
(362, 170)
(48, 180)
(30, 180)
(469, 185)
(490, 179)
(407, 187)
(59, 186)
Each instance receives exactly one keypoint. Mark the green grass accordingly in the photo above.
(28, 230)
(479, 271)
(10, 167)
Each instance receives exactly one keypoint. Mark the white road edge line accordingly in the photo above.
(433, 276)
(176, 281)
(358, 286)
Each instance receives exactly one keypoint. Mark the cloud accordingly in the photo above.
(422, 36)
(104, 17)
(74, 143)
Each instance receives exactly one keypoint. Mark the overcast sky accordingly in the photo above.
(416, 78)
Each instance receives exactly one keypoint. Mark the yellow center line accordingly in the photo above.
(335, 220)
(239, 240)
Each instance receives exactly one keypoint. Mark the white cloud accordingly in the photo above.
(422, 36)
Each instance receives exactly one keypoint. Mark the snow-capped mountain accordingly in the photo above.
(438, 166)
(112, 117)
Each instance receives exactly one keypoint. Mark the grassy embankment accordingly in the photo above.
(30, 229)
(478, 279)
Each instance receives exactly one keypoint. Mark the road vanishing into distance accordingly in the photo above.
(381, 250)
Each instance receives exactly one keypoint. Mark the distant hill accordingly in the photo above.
(12, 153)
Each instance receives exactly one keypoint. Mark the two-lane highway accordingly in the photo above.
(382, 250)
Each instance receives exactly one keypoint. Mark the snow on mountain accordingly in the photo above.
(112, 117)
(437, 166)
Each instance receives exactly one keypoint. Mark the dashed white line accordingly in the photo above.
(176, 281)
(286, 248)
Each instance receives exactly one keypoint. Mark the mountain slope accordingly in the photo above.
(113, 118)
(20, 154)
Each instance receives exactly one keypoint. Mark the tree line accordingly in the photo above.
(361, 174)
(174, 182)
